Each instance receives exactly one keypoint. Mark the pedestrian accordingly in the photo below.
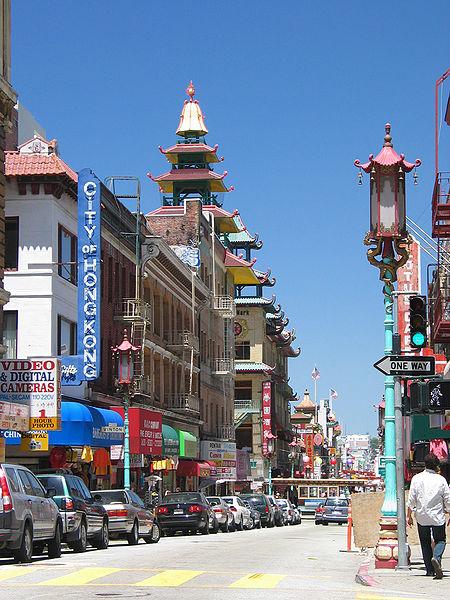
(429, 498)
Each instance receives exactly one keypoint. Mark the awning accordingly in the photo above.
(193, 468)
(189, 444)
(83, 425)
(171, 442)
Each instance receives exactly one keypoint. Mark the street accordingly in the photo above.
(293, 562)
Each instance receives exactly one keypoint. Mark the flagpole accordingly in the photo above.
(315, 400)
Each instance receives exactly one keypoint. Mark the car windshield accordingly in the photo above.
(182, 497)
(113, 497)
(336, 502)
(53, 482)
(213, 501)
(282, 503)
(228, 500)
(256, 500)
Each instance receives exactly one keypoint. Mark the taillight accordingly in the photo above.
(195, 508)
(217, 509)
(6, 494)
(320, 509)
(267, 509)
(162, 510)
(67, 504)
(120, 512)
(233, 508)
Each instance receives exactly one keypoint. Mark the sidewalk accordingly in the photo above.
(413, 582)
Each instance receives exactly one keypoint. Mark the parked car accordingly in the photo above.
(289, 516)
(242, 514)
(29, 518)
(256, 517)
(262, 504)
(224, 514)
(84, 518)
(278, 513)
(186, 511)
(128, 518)
(332, 510)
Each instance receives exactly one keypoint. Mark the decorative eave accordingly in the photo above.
(240, 269)
(223, 219)
(173, 152)
(387, 157)
(243, 238)
(265, 279)
(268, 305)
(166, 180)
(252, 367)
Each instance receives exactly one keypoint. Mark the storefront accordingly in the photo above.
(189, 468)
(166, 467)
(221, 456)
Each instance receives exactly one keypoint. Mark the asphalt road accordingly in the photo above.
(300, 562)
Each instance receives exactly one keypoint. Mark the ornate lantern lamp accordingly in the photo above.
(125, 353)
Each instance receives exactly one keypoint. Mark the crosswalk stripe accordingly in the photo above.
(258, 580)
(82, 576)
(169, 578)
(15, 572)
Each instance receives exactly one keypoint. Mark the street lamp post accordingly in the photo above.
(269, 454)
(389, 242)
(293, 455)
(124, 354)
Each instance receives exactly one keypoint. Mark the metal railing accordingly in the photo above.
(440, 206)
(184, 340)
(226, 432)
(184, 402)
(143, 385)
(132, 309)
(222, 366)
(251, 404)
(225, 306)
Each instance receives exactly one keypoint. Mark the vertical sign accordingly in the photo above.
(86, 365)
(408, 278)
(308, 438)
(266, 414)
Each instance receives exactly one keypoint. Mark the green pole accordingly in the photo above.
(270, 476)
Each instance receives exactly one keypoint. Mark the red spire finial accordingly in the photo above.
(387, 137)
(190, 90)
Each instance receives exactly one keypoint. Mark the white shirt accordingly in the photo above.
(429, 495)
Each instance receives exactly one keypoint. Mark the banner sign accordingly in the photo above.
(14, 416)
(35, 384)
(145, 430)
(86, 365)
(308, 438)
(408, 280)
(266, 414)
(222, 458)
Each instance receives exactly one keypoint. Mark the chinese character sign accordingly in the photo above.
(408, 278)
(266, 415)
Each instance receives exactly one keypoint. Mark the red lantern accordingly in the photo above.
(333, 461)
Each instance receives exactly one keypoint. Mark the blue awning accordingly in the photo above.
(83, 425)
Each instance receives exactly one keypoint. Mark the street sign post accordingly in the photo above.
(406, 366)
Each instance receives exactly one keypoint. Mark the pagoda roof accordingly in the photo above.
(252, 367)
(300, 416)
(173, 152)
(243, 237)
(167, 180)
(306, 403)
(192, 121)
(265, 278)
(387, 157)
(266, 303)
(241, 269)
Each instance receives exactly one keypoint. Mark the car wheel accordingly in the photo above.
(80, 545)
(54, 545)
(205, 530)
(216, 526)
(240, 525)
(271, 522)
(101, 540)
(325, 523)
(232, 527)
(225, 528)
(25, 552)
(133, 536)
(259, 526)
(155, 536)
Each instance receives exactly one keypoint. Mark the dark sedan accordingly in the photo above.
(261, 503)
(332, 510)
(187, 512)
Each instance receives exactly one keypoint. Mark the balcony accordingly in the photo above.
(184, 402)
(439, 299)
(179, 341)
(225, 306)
(222, 366)
(221, 432)
(440, 206)
(132, 309)
(252, 405)
(143, 385)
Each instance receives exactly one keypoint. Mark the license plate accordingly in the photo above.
(178, 512)
(337, 512)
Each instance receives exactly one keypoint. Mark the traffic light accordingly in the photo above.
(418, 321)
(429, 397)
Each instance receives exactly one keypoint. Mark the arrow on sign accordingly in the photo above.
(407, 366)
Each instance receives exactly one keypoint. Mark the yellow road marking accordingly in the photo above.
(81, 577)
(14, 572)
(258, 580)
(169, 578)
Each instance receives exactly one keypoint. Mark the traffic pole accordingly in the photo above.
(403, 560)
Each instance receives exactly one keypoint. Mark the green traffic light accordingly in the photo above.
(418, 339)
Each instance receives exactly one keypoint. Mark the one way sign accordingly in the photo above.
(406, 366)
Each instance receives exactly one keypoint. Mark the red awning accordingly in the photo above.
(193, 468)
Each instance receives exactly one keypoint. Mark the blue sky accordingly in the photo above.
(293, 92)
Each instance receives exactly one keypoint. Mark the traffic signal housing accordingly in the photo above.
(428, 397)
(418, 321)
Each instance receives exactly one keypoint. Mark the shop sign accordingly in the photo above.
(408, 280)
(116, 452)
(136, 460)
(266, 414)
(34, 441)
(112, 428)
(86, 365)
(145, 428)
(14, 416)
(222, 458)
(12, 438)
(36, 384)
(308, 438)
(242, 465)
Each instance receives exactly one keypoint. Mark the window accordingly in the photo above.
(28, 488)
(11, 242)
(10, 333)
(243, 390)
(242, 350)
(14, 484)
(67, 255)
(37, 488)
(67, 337)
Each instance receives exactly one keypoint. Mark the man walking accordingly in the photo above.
(429, 498)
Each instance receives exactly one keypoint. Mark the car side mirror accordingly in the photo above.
(97, 497)
(50, 493)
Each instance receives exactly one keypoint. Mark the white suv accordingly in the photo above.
(242, 515)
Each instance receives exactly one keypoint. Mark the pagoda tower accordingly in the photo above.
(191, 174)
(304, 411)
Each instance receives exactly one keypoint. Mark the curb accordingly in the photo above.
(362, 576)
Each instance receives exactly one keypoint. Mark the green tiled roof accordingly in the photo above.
(245, 366)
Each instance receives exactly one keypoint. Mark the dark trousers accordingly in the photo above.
(425, 542)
